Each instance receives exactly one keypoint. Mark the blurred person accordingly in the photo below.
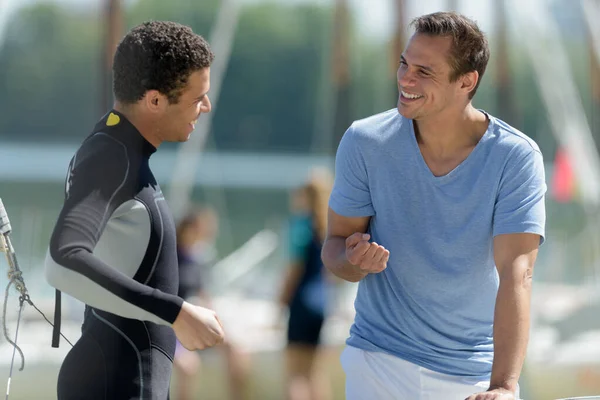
(304, 290)
(114, 245)
(196, 236)
(437, 211)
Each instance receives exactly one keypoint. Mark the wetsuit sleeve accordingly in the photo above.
(99, 180)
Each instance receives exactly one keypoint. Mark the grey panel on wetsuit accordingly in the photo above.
(122, 246)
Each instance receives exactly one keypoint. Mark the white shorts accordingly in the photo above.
(378, 376)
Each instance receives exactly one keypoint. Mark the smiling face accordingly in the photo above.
(424, 79)
(172, 117)
(179, 119)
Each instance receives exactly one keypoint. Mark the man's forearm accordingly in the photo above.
(334, 258)
(511, 331)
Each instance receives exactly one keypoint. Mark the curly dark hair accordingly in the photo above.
(470, 50)
(158, 55)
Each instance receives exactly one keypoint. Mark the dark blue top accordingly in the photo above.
(305, 249)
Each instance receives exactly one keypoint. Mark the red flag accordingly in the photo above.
(563, 178)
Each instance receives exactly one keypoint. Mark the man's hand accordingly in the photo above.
(368, 257)
(493, 394)
(197, 327)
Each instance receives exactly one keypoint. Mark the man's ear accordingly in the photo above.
(154, 101)
(469, 81)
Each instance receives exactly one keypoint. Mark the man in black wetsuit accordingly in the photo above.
(114, 246)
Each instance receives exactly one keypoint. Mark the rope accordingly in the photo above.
(15, 277)
(12, 361)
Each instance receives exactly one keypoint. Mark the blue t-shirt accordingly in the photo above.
(434, 303)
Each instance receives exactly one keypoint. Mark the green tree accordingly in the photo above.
(48, 73)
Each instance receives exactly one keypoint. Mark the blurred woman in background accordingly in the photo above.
(196, 236)
(304, 289)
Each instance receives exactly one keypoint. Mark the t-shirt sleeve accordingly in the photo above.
(350, 195)
(520, 204)
(97, 184)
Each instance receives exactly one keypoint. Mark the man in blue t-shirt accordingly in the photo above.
(437, 211)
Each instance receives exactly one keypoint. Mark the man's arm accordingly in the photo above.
(515, 255)
(347, 252)
(97, 186)
(518, 230)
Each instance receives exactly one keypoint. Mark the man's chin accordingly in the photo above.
(404, 112)
(180, 139)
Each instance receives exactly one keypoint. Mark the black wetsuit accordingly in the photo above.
(114, 248)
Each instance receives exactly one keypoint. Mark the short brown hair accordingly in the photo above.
(470, 51)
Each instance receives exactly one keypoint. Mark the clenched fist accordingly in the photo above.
(197, 327)
(367, 257)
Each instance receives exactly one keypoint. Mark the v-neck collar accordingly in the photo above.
(456, 171)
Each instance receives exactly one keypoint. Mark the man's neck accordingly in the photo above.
(146, 128)
(449, 132)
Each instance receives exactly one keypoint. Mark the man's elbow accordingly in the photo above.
(56, 270)
(53, 271)
(327, 259)
(518, 275)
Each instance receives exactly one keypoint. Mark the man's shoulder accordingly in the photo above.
(376, 128)
(512, 140)
(377, 121)
(101, 144)
(100, 151)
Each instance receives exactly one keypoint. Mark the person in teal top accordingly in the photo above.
(305, 291)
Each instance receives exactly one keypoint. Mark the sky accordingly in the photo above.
(376, 16)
